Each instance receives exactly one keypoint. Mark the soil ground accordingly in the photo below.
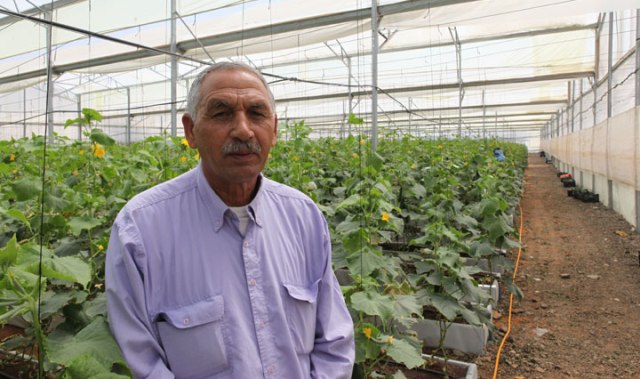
(580, 274)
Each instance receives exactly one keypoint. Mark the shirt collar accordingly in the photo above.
(218, 207)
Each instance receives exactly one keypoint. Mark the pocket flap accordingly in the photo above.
(308, 294)
(202, 312)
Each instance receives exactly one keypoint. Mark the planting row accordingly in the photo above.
(417, 228)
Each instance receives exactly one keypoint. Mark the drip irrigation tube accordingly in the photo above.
(515, 271)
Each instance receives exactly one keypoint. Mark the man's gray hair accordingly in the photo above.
(193, 98)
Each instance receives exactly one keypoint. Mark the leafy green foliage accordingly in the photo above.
(442, 201)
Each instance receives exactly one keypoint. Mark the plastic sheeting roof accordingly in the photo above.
(516, 56)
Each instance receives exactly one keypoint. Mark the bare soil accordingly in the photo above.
(580, 274)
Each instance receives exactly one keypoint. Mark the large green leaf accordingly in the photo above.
(27, 188)
(88, 367)
(496, 227)
(78, 224)
(403, 352)
(69, 268)
(406, 306)
(445, 305)
(101, 137)
(54, 301)
(373, 304)
(96, 306)
(367, 261)
(9, 253)
(94, 340)
(18, 215)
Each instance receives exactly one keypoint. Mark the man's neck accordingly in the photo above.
(236, 194)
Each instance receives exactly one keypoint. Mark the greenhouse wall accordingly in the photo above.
(604, 159)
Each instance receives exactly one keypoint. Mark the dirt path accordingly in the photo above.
(580, 274)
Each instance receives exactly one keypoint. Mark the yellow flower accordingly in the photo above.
(100, 248)
(367, 332)
(362, 142)
(355, 155)
(414, 166)
(390, 340)
(385, 216)
(98, 285)
(98, 150)
(81, 152)
(12, 157)
(197, 157)
(185, 142)
(183, 159)
(14, 172)
(440, 147)
(75, 173)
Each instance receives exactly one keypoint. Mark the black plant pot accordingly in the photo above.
(591, 198)
(569, 182)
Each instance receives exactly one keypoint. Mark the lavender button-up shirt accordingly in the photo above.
(190, 297)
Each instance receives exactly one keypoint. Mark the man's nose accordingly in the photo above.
(242, 128)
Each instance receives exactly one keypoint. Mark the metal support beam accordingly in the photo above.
(636, 128)
(638, 57)
(174, 75)
(374, 75)
(581, 102)
(456, 41)
(79, 107)
(24, 113)
(50, 84)
(128, 135)
(610, 68)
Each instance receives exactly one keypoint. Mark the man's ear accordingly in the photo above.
(188, 125)
(275, 130)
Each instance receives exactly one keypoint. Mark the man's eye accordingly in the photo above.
(219, 114)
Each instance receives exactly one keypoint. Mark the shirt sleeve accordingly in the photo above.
(126, 307)
(334, 352)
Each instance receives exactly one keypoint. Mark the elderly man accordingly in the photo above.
(221, 272)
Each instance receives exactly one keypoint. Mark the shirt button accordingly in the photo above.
(252, 282)
(186, 321)
(271, 369)
(246, 244)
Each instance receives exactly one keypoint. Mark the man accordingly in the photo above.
(221, 272)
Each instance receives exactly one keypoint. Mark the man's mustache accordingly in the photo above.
(234, 147)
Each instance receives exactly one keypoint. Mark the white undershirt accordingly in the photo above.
(243, 216)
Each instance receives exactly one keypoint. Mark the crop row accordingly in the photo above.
(402, 220)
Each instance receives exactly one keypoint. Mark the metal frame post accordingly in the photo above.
(610, 68)
(24, 113)
(374, 75)
(79, 106)
(128, 134)
(174, 74)
(50, 84)
(637, 104)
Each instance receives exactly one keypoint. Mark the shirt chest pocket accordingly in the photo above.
(193, 338)
(300, 307)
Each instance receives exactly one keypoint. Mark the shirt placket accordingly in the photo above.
(259, 310)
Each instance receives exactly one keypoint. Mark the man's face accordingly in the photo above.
(234, 129)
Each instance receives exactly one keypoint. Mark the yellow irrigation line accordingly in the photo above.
(515, 271)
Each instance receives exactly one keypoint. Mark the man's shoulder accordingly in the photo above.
(284, 191)
(163, 192)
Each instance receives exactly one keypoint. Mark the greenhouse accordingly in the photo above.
(470, 173)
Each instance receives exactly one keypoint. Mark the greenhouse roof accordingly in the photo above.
(439, 63)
